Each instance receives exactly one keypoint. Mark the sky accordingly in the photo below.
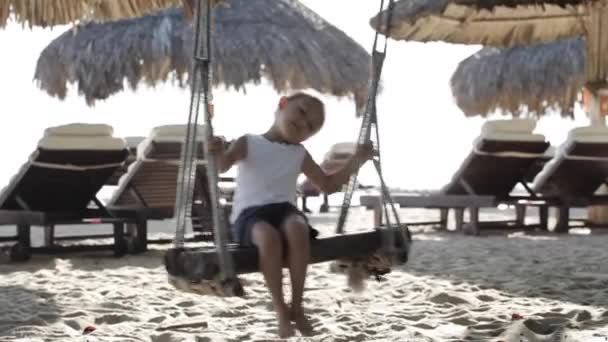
(424, 136)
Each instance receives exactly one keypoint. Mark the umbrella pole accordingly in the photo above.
(597, 100)
(596, 88)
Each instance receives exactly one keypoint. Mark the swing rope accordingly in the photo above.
(370, 121)
(369, 125)
(201, 95)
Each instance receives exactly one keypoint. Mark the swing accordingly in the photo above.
(215, 269)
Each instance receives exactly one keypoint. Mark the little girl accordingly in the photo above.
(264, 214)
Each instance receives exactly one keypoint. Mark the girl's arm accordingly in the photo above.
(226, 158)
(330, 183)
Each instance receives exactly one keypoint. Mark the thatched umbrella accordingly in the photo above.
(281, 40)
(488, 22)
(530, 79)
(507, 23)
(60, 12)
(514, 22)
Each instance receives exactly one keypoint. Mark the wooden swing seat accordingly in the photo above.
(197, 264)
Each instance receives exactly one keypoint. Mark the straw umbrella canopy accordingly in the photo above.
(507, 23)
(60, 12)
(523, 79)
(280, 40)
(488, 22)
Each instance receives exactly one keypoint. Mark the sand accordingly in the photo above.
(506, 286)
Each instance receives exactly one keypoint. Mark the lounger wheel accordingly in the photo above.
(20, 252)
(121, 247)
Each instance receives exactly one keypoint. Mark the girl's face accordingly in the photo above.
(298, 119)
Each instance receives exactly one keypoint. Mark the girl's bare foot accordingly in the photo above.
(285, 327)
(302, 323)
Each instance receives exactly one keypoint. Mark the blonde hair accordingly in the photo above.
(311, 100)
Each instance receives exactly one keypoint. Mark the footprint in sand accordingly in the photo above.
(396, 327)
(583, 315)
(115, 319)
(157, 319)
(115, 306)
(444, 298)
(48, 317)
(35, 321)
(75, 314)
(485, 298)
(186, 304)
(165, 337)
(344, 318)
(414, 317)
(488, 326)
(229, 314)
(424, 326)
(463, 321)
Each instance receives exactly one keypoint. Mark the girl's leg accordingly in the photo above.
(270, 249)
(298, 246)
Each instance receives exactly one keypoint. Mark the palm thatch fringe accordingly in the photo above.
(500, 23)
(521, 81)
(60, 12)
(281, 40)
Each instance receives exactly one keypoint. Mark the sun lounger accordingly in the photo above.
(132, 143)
(501, 157)
(333, 160)
(58, 184)
(150, 182)
(573, 176)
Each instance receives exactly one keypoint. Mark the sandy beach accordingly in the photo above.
(505, 286)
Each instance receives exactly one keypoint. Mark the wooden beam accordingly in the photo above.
(432, 201)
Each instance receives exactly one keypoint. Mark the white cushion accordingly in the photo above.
(505, 136)
(597, 139)
(587, 131)
(80, 129)
(340, 149)
(173, 131)
(167, 134)
(81, 143)
(509, 126)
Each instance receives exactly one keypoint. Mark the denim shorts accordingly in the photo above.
(274, 214)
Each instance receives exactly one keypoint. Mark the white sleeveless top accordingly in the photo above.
(268, 174)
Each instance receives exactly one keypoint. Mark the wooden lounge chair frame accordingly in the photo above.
(470, 189)
(79, 174)
(149, 188)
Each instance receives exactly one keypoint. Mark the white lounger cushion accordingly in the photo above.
(174, 131)
(586, 134)
(80, 129)
(82, 143)
(589, 134)
(340, 149)
(509, 126)
(80, 136)
(505, 136)
(167, 134)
